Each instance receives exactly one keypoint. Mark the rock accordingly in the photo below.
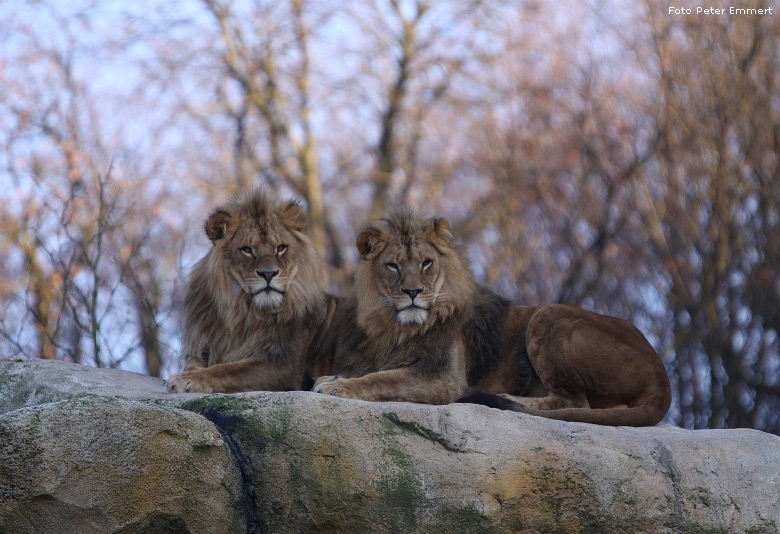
(32, 382)
(306, 462)
(353, 466)
(113, 465)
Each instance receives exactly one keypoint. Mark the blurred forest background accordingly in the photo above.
(603, 154)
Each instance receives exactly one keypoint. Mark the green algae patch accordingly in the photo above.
(416, 428)
(20, 391)
(315, 471)
(463, 520)
(400, 492)
(327, 483)
(339, 486)
(237, 415)
(216, 402)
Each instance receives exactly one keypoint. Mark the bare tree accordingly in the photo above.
(600, 154)
(69, 213)
(716, 82)
(270, 63)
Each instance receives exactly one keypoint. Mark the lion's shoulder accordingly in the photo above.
(483, 331)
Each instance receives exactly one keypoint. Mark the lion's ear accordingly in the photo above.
(441, 230)
(294, 217)
(218, 224)
(371, 242)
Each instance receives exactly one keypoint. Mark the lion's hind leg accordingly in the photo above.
(505, 401)
(553, 401)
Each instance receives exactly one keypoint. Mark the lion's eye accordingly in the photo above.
(393, 267)
(426, 264)
(246, 251)
(281, 249)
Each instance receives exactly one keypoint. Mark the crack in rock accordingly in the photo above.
(416, 428)
(224, 423)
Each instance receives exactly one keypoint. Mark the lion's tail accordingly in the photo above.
(642, 415)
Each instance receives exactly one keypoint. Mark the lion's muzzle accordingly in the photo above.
(267, 294)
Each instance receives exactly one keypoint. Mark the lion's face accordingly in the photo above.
(410, 278)
(261, 249)
(408, 267)
(263, 264)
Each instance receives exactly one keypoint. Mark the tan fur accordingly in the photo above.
(418, 360)
(554, 361)
(243, 332)
(594, 369)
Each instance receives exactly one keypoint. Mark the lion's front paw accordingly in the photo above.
(333, 385)
(324, 380)
(187, 382)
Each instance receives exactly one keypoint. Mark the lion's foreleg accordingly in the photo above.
(244, 375)
(403, 384)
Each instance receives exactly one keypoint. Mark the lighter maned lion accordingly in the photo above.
(254, 305)
(418, 328)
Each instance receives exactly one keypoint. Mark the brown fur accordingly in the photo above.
(242, 331)
(555, 361)
(376, 355)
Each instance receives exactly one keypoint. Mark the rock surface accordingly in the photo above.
(88, 450)
(113, 465)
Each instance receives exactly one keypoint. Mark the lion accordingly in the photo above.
(418, 328)
(254, 307)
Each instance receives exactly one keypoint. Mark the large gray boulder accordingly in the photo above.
(113, 465)
(76, 453)
(33, 382)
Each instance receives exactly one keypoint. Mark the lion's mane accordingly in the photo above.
(220, 324)
(402, 228)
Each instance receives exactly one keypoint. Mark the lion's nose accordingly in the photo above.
(412, 292)
(268, 275)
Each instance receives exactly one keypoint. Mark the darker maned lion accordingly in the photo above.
(254, 306)
(418, 328)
